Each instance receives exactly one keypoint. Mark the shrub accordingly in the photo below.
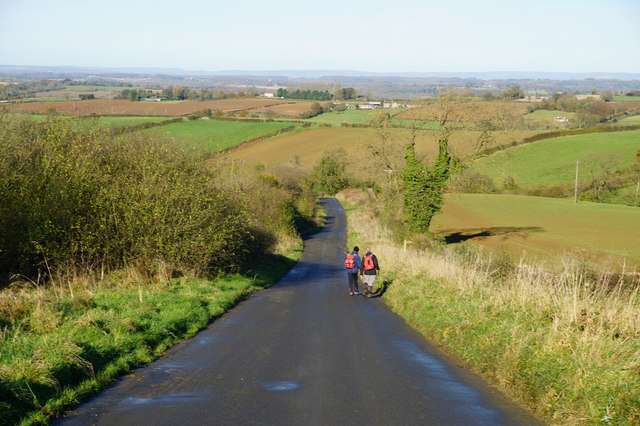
(75, 196)
(470, 182)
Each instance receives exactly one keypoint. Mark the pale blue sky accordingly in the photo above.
(371, 35)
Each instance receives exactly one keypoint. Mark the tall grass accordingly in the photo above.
(61, 343)
(565, 344)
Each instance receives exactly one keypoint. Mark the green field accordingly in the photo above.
(213, 136)
(548, 115)
(351, 116)
(626, 98)
(553, 161)
(363, 116)
(547, 228)
(630, 121)
(130, 121)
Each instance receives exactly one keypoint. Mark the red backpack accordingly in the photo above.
(368, 263)
(350, 262)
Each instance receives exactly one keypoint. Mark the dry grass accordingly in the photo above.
(566, 344)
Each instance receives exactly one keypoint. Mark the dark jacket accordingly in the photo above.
(358, 262)
(375, 264)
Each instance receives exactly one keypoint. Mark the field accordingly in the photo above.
(129, 121)
(121, 107)
(544, 228)
(469, 111)
(309, 145)
(73, 92)
(287, 108)
(548, 115)
(351, 116)
(213, 135)
(626, 98)
(553, 161)
(630, 121)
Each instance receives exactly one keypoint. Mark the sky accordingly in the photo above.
(579, 36)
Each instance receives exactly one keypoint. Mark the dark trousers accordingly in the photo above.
(353, 281)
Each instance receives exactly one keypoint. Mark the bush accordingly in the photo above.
(470, 182)
(73, 196)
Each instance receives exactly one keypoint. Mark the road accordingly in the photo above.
(303, 352)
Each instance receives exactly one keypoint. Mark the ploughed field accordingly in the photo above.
(122, 107)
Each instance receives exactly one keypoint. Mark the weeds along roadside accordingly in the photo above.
(139, 245)
(66, 343)
(565, 345)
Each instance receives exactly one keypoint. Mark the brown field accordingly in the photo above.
(549, 229)
(66, 94)
(310, 144)
(289, 109)
(468, 111)
(121, 107)
(630, 106)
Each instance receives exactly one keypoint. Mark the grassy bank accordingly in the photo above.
(63, 343)
(566, 345)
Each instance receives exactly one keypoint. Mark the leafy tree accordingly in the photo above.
(514, 92)
(329, 174)
(423, 187)
(607, 96)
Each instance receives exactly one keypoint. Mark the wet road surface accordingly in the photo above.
(303, 352)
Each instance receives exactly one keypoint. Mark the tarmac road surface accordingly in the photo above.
(303, 352)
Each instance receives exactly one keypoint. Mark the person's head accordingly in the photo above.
(356, 249)
(368, 249)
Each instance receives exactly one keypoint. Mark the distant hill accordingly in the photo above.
(378, 85)
(324, 74)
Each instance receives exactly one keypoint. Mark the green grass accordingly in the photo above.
(351, 116)
(363, 116)
(213, 135)
(58, 349)
(553, 161)
(548, 115)
(629, 121)
(626, 98)
(130, 121)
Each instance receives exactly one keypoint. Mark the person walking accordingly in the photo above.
(371, 268)
(353, 264)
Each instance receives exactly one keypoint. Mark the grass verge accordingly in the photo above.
(565, 345)
(61, 344)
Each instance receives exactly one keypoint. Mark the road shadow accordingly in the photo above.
(458, 236)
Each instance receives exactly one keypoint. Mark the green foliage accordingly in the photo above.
(314, 95)
(329, 173)
(470, 182)
(316, 109)
(423, 187)
(74, 196)
(513, 92)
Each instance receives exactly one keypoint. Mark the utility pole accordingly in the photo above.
(575, 192)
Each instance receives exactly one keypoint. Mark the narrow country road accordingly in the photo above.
(303, 352)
